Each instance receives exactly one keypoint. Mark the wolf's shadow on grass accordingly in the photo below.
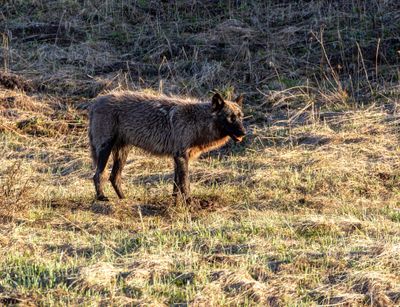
(203, 176)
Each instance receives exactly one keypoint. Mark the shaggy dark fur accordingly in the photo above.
(172, 126)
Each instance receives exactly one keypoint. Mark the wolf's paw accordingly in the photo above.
(102, 198)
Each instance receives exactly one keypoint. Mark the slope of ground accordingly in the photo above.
(304, 212)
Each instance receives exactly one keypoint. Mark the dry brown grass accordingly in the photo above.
(304, 212)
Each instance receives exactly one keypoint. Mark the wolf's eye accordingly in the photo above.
(233, 118)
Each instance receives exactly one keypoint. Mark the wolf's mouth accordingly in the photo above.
(237, 139)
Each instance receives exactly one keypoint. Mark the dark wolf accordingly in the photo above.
(181, 128)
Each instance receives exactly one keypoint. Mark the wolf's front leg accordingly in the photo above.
(181, 176)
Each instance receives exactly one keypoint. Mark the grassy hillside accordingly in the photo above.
(304, 212)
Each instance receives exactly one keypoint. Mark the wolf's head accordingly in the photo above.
(228, 116)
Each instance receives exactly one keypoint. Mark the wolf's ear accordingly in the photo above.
(239, 100)
(217, 102)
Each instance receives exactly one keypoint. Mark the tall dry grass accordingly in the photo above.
(304, 212)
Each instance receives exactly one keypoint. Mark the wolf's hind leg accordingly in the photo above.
(102, 158)
(120, 154)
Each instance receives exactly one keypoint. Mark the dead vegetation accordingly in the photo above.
(304, 212)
